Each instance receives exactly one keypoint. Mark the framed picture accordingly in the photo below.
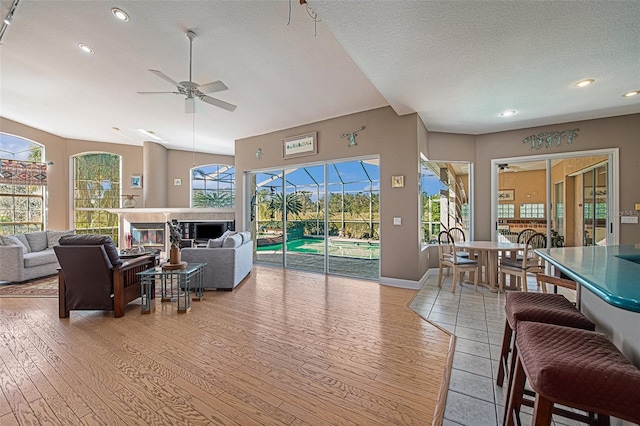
(397, 181)
(136, 181)
(506, 195)
(297, 146)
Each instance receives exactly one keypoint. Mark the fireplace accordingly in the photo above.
(149, 235)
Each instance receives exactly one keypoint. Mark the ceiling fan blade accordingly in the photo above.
(189, 106)
(218, 103)
(216, 86)
(165, 77)
(157, 93)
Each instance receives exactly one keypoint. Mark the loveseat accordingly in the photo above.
(28, 256)
(229, 260)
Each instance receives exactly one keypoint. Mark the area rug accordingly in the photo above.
(41, 287)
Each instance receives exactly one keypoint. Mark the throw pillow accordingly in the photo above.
(232, 241)
(37, 240)
(246, 236)
(215, 242)
(53, 237)
(227, 233)
(13, 240)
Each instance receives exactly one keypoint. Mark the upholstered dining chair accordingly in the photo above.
(528, 263)
(93, 277)
(449, 259)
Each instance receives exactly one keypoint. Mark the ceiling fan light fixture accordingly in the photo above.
(508, 113)
(586, 82)
(631, 94)
(85, 48)
(120, 14)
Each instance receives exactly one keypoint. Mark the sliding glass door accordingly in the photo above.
(305, 190)
(566, 198)
(330, 213)
(594, 201)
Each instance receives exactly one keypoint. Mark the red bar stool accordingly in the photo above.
(576, 368)
(535, 307)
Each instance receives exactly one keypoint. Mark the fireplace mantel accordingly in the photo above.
(170, 210)
(127, 216)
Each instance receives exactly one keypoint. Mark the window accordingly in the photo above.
(506, 211)
(444, 201)
(22, 185)
(213, 186)
(96, 187)
(532, 211)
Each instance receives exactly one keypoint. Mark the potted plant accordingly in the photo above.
(175, 236)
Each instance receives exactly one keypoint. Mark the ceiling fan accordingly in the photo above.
(504, 166)
(193, 90)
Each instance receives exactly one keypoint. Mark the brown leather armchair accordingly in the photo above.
(93, 277)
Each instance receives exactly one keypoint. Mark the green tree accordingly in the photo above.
(293, 200)
(212, 199)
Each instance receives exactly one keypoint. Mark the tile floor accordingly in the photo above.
(477, 320)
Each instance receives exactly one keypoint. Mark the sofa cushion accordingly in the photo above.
(38, 258)
(94, 240)
(232, 241)
(14, 240)
(37, 240)
(215, 242)
(53, 237)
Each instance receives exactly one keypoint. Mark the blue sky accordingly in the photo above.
(14, 148)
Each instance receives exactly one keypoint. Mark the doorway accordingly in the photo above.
(567, 197)
(319, 217)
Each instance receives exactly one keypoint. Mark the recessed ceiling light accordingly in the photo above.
(630, 94)
(508, 113)
(150, 134)
(120, 14)
(585, 82)
(85, 48)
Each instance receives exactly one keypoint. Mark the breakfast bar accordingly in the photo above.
(609, 289)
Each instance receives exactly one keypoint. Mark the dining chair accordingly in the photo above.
(450, 259)
(523, 236)
(458, 236)
(529, 262)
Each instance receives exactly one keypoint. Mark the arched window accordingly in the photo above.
(213, 185)
(96, 187)
(23, 180)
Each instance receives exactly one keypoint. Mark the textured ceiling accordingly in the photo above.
(456, 63)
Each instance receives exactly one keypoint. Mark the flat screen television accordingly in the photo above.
(205, 231)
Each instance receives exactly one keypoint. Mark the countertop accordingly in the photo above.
(610, 272)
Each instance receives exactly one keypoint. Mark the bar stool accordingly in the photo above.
(576, 368)
(535, 307)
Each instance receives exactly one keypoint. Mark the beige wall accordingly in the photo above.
(61, 151)
(398, 140)
(394, 139)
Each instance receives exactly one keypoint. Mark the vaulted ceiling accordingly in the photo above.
(458, 64)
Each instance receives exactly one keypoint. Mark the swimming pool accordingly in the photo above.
(343, 248)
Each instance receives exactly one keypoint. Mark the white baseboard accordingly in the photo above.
(396, 282)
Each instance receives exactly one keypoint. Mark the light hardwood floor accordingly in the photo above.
(285, 347)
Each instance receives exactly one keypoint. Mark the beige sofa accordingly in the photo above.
(28, 256)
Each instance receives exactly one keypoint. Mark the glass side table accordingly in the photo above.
(183, 280)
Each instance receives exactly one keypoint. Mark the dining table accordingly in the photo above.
(488, 254)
